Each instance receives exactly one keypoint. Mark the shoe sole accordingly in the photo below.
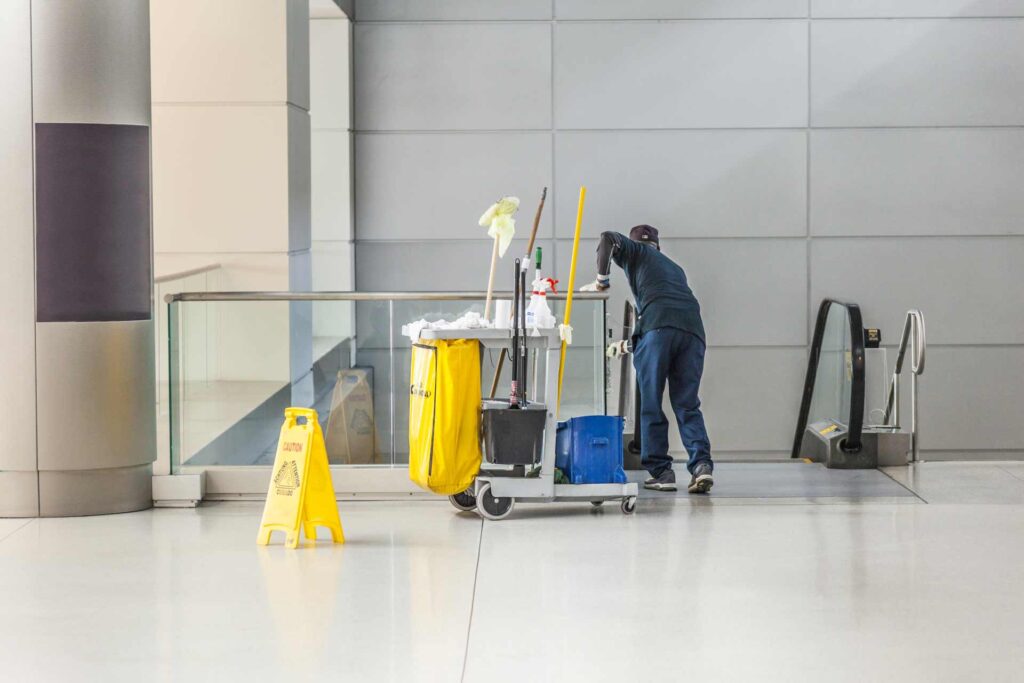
(702, 485)
(661, 487)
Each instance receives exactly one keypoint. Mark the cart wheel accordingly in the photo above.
(464, 501)
(629, 505)
(597, 503)
(493, 508)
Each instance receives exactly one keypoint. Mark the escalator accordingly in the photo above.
(834, 426)
(849, 414)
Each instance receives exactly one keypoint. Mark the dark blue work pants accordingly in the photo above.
(675, 357)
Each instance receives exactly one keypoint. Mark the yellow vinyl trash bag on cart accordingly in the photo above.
(444, 415)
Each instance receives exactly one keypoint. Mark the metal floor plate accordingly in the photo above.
(785, 480)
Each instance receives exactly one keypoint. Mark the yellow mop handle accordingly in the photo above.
(568, 297)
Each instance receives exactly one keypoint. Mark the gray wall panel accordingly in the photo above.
(967, 288)
(917, 8)
(17, 244)
(752, 292)
(435, 265)
(674, 9)
(966, 401)
(659, 75)
(437, 10)
(917, 72)
(688, 183)
(917, 182)
(436, 186)
(91, 61)
(452, 76)
(750, 399)
(97, 382)
(895, 218)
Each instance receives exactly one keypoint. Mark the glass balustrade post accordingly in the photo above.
(391, 373)
(174, 388)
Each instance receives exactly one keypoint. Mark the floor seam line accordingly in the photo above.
(472, 602)
(1009, 472)
(11, 533)
(900, 483)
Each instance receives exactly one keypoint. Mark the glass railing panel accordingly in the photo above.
(195, 280)
(834, 388)
(374, 358)
(235, 365)
(876, 385)
(584, 378)
(231, 380)
(832, 385)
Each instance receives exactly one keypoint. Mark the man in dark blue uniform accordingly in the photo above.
(668, 348)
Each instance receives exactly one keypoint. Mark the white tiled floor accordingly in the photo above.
(758, 591)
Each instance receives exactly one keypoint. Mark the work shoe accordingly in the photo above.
(701, 481)
(666, 481)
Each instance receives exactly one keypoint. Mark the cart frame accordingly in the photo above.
(491, 490)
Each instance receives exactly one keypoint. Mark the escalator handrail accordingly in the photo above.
(855, 421)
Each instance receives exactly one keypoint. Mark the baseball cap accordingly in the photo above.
(644, 233)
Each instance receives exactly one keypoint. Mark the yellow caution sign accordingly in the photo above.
(301, 496)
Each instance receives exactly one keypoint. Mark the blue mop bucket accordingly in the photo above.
(588, 449)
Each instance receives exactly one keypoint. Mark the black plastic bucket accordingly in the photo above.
(513, 437)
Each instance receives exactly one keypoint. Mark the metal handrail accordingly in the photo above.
(188, 272)
(914, 336)
(363, 296)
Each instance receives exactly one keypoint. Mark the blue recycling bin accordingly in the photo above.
(588, 449)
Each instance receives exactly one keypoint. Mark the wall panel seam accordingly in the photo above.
(1011, 17)
(477, 131)
(807, 188)
(553, 132)
(537, 22)
(724, 129)
(918, 236)
(950, 126)
(667, 238)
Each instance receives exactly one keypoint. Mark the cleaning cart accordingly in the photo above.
(526, 471)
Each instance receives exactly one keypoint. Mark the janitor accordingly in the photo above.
(668, 348)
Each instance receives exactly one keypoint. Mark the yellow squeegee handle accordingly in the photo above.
(571, 289)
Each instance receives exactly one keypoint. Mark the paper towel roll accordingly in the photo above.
(502, 314)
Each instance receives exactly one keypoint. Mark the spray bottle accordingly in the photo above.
(538, 315)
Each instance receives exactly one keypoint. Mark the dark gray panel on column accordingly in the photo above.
(93, 246)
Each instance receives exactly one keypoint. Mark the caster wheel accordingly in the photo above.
(493, 508)
(597, 503)
(628, 505)
(465, 501)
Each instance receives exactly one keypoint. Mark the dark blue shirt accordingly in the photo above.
(663, 296)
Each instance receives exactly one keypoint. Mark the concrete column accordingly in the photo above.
(331, 180)
(76, 346)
